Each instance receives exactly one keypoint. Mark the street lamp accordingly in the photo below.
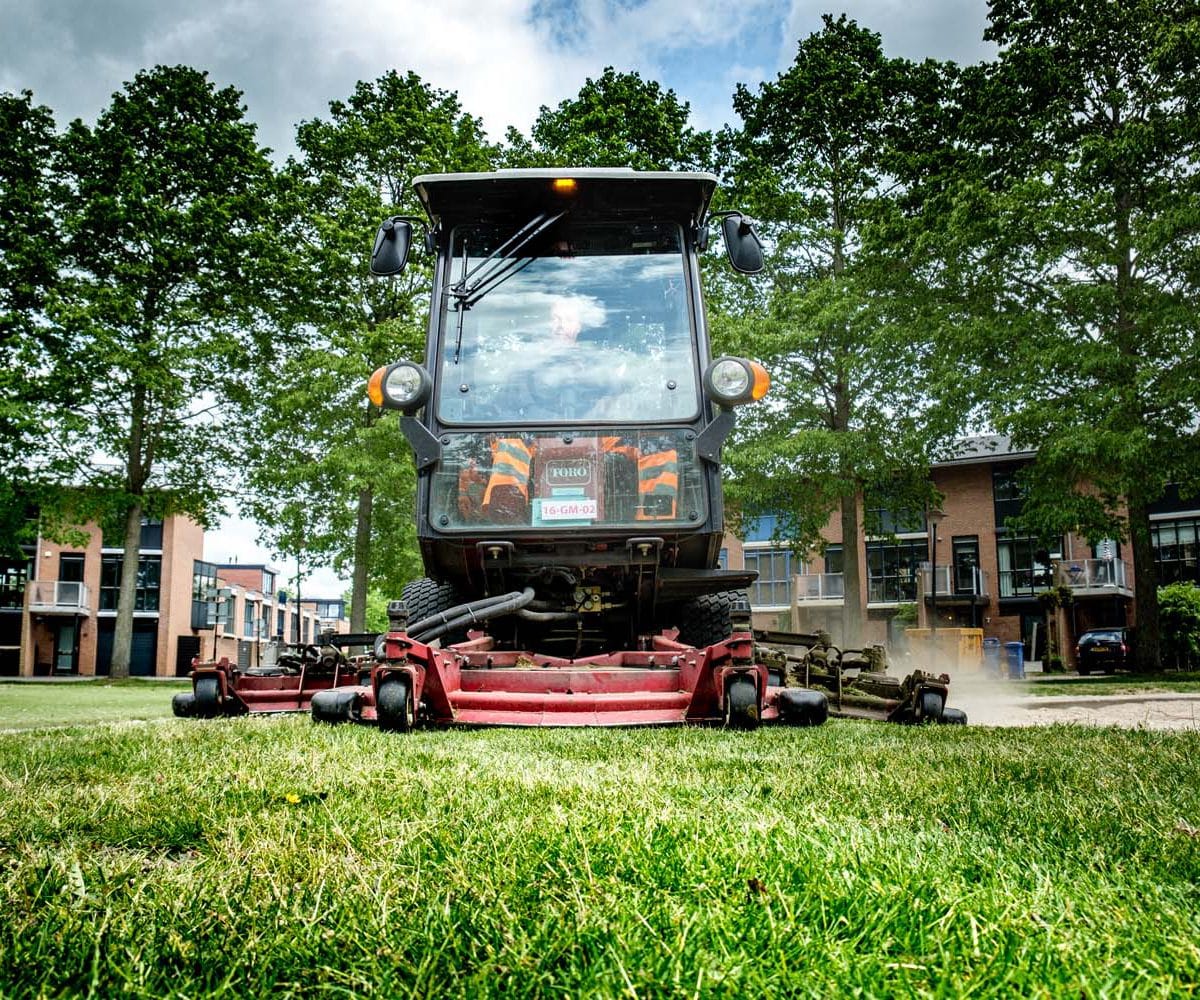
(933, 517)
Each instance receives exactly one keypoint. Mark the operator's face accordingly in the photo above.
(565, 321)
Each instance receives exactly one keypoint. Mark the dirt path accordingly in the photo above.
(990, 704)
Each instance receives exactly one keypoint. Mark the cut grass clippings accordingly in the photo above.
(268, 856)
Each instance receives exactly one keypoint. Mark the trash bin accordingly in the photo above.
(992, 657)
(1015, 654)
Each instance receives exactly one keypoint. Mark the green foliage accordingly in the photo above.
(1179, 611)
(902, 861)
(377, 604)
(619, 120)
(1068, 257)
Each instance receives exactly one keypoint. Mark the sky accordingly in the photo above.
(504, 58)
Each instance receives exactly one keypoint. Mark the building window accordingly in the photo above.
(13, 576)
(70, 567)
(204, 600)
(1008, 494)
(268, 583)
(892, 570)
(760, 529)
(834, 563)
(148, 578)
(723, 559)
(885, 521)
(281, 623)
(1022, 573)
(248, 622)
(328, 610)
(773, 588)
(1176, 550)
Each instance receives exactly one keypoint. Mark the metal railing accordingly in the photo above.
(819, 587)
(1091, 574)
(56, 595)
(957, 581)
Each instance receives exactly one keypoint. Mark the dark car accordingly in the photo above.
(1104, 649)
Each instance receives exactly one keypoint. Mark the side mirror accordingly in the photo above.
(741, 244)
(391, 247)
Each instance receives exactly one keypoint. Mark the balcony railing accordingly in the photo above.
(819, 587)
(957, 581)
(57, 597)
(1091, 574)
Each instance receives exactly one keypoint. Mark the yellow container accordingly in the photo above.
(956, 648)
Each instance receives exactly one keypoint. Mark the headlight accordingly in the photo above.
(733, 381)
(402, 386)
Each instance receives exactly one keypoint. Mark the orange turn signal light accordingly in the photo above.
(564, 185)
(761, 383)
(375, 386)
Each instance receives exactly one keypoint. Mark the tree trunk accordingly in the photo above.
(122, 648)
(1146, 647)
(362, 562)
(852, 608)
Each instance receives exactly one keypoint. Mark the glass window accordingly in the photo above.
(834, 562)
(248, 629)
(204, 583)
(1022, 574)
(148, 578)
(638, 479)
(892, 570)
(14, 574)
(281, 623)
(589, 323)
(1175, 550)
(268, 583)
(773, 588)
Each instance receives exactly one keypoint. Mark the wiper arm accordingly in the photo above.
(489, 271)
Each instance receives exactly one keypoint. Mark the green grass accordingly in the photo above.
(32, 705)
(265, 856)
(1114, 684)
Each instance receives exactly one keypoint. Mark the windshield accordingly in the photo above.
(588, 323)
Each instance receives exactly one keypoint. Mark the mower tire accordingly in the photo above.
(708, 619)
(424, 598)
(953, 717)
(207, 704)
(932, 706)
(741, 703)
(394, 705)
(803, 707)
(336, 706)
(183, 705)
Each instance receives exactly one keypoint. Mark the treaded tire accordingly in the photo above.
(424, 598)
(394, 706)
(708, 619)
(741, 704)
(208, 698)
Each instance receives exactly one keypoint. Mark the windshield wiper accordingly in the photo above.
(493, 270)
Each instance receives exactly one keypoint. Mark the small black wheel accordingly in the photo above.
(208, 697)
(932, 705)
(953, 717)
(741, 704)
(394, 705)
(803, 707)
(183, 705)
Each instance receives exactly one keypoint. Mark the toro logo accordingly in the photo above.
(576, 472)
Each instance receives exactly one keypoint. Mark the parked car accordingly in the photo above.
(1106, 649)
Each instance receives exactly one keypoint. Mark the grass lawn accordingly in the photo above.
(32, 705)
(262, 856)
(1113, 684)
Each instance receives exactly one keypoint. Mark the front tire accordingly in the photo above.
(208, 697)
(741, 703)
(394, 705)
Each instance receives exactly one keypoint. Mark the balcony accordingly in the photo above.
(817, 588)
(1092, 576)
(956, 584)
(54, 597)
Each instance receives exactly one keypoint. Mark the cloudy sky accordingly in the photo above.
(504, 58)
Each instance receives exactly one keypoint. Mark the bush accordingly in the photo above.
(1179, 620)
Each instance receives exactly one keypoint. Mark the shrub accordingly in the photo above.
(1179, 621)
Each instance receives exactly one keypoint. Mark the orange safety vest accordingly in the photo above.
(658, 485)
(511, 457)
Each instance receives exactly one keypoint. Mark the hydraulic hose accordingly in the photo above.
(480, 611)
(442, 617)
(548, 616)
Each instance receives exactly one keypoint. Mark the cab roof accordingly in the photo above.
(598, 193)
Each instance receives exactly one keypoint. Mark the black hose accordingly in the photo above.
(475, 613)
(442, 617)
(548, 616)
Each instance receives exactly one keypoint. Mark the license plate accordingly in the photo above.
(582, 509)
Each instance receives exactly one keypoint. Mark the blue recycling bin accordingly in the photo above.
(992, 657)
(1014, 652)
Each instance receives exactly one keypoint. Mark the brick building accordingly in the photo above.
(58, 606)
(986, 576)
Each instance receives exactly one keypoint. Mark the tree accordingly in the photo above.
(168, 253)
(1072, 249)
(850, 410)
(29, 256)
(619, 120)
(329, 476)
